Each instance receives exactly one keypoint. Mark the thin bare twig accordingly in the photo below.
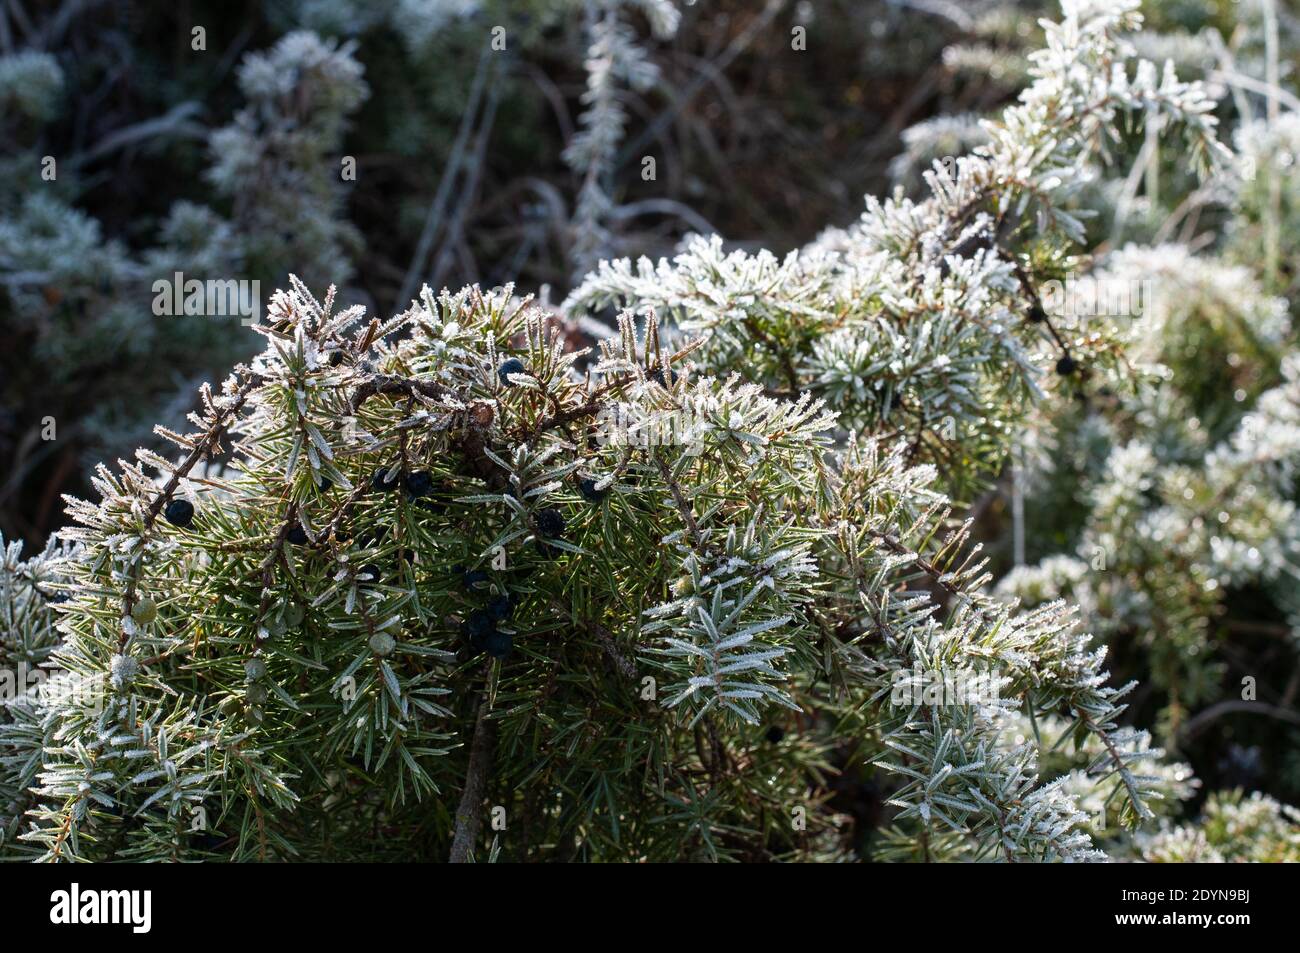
(469, 811)
(737, 46)
(469, 188)
(436, 210)
(1199, 722)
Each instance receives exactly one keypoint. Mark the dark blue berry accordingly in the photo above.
(588, 488)
(550, 523)
(208, 842)
(179, 513)
(382, 483)
(369, 573)
(324, 484)
(473, 577)
(657, 375)
(1037, 314)
(371, 537)
(297, 536)
(500, 607)
(512, 366)
(478, 627)
(418, 484)
(498, 644)
(775, 734)
(1066, 366)
(1242, 766)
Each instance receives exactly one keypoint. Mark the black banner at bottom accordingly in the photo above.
(138, 904)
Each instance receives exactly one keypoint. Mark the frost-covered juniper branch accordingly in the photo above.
(696, 612)
(292, 655)
(28, 637)
(1190, 481)
(923, 321)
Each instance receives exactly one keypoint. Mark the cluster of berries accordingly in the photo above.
(480, 627)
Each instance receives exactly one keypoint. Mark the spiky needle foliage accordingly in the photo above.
(646, 613)
(924, 321)
(302, 659)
